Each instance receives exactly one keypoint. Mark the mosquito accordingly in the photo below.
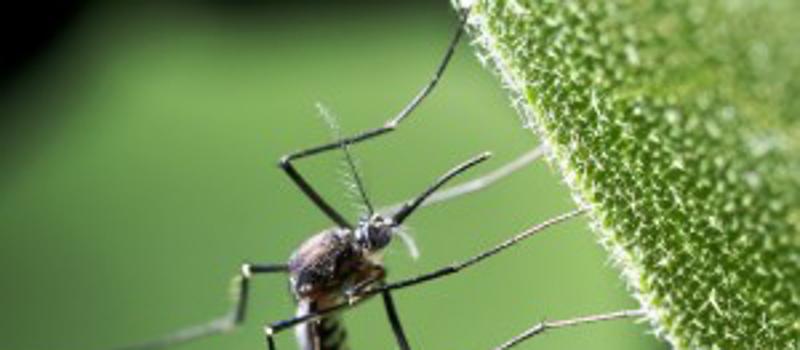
(340, 267)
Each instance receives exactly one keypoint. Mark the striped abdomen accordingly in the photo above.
(327, 333)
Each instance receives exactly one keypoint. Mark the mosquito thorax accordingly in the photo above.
(374, 232)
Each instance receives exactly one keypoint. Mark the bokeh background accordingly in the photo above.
(138, 170)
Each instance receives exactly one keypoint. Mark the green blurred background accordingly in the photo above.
(139, 170)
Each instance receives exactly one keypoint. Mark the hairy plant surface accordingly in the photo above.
(677, 122)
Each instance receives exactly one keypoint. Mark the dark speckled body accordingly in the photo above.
(321, 271)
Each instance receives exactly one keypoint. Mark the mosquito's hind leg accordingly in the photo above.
(286, 161)
(246, 272)
(220, 325)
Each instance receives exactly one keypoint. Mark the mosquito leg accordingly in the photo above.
(394, 320)
(547, 325)
(270, 339)
(286, 161)
(311, 193)
(456, 267)
(280, 326)
(247, 271)
(220, 325)
(377, 275)
(453, 268)
(354, 294)
(426, 90)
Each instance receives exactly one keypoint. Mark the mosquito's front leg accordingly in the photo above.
(286, 161)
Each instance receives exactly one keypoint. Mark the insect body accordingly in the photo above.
(339, 262)
(341, 266)
(338, 265)
(326, 270)
(320, 269)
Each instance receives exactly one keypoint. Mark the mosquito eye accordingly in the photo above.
(379, 237)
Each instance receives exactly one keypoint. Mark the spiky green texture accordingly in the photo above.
(677, 121)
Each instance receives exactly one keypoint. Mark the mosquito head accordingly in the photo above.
(374, 232)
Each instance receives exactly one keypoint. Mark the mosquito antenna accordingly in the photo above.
(357, 177)
(412, 205)
(348, 157)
